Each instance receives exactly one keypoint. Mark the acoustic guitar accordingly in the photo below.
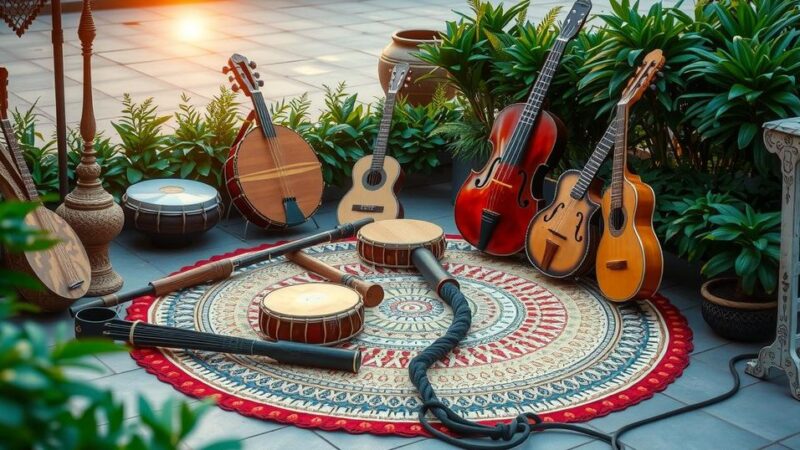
(63, 269)
(495, 205)
(629, 263)
(272, 174)
(562, 238)
(377, 177)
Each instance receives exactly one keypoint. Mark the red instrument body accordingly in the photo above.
(514, 192)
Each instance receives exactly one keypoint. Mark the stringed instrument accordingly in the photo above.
(562, 238)
(63, 269)
(272, 174)
(629, 262)
(495, 205)
(377, 177)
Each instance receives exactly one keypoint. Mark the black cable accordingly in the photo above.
(519, 429)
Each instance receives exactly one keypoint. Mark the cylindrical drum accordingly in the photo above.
(312, 313)
(172, 211)
(389, 243)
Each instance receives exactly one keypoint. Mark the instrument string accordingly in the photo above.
(269, 133)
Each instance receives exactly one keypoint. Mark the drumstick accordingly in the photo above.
(222, 269)
(371, 293)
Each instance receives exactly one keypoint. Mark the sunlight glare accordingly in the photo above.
(190, 28)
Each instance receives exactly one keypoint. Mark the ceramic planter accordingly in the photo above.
(737, 320)
(404, 44)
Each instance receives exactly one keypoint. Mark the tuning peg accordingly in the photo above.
(225, 69)
(405, 85)
(660, 74)
(230, 78)
(653, 87)
(235, 87)
(252, 64)
(256, 74)
(260, 83)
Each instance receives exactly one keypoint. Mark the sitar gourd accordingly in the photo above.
(495, 205)
(562, 238)
(273, 176)
(629, 263)
(63, 269)
(377, 177)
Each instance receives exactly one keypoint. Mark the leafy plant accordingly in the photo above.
(691, 220)
(143, 142)
(112, 162)
(41, 159)
(749, 245)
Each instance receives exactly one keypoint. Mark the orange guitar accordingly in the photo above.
(562, 238)
(629, 262)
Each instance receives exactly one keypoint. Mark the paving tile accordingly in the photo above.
(120, 362)
(97, 370)
(380, 28)
(775, 446)
(703, 337)
(720, 356)
(286, 438)
(682, 297)
(702, 380)
(658, 404)
(792, 442)
(344, 440)
(218, 424)
(128, 386)
(350, 59)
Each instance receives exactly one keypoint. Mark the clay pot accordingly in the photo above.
(405, 43)
(737, 320)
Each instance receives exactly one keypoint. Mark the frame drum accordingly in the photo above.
(389, 243)
(172, 211)
(312, 313)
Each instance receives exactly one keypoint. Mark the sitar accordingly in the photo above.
(377, 177)
(495, 205)
(63, 269)
(562, 238)
(629, 263)
(272, 174)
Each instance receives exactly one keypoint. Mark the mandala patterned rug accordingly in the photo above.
(535, 344)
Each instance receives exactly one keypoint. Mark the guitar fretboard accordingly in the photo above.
(620, 154)
(599, 155)
(534, 103)
(381, 142)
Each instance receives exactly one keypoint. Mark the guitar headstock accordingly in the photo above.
(242, 75)
(400, 78)
(643, 78)
(3, 92)
(575, 20)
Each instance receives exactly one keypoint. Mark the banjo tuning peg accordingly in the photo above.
(235, 87)
(252, 64)
(260, 83)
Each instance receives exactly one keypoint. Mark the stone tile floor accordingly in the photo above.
(300, 45)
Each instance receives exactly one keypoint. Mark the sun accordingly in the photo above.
(190, 28)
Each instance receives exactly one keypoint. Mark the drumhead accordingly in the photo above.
(171, 195)
(311, 300)
(401, 232)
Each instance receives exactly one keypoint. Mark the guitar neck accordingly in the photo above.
(599, 155)
(10, 139)
(620, 155)
(382, 141)
(533, 106)
(262, 115)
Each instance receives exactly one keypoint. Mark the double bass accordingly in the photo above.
(495, 205)
(562, 238)
(272, 174)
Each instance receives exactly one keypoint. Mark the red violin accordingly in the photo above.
(495, 205)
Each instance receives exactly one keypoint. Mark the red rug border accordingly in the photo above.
(675, 360)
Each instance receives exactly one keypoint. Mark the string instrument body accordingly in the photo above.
(514, 191)
(562, 238)
(629, 263)
(272, 174)
(496, 204)
(377, 178)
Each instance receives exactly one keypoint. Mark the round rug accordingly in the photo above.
(536, 344)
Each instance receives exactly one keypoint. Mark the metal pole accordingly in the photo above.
(61, 121)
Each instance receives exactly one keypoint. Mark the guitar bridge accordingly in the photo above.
(619, 264)
(368, 208)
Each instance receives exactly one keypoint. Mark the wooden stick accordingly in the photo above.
(371, 293)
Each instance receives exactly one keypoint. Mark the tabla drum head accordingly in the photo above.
(401, 232)
(311, 300)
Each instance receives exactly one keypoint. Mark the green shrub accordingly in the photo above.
(41, 159)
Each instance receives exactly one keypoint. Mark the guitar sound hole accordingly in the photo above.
(617, 219)
(374, 178)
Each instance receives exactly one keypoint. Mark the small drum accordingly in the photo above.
(312, 313)
(172, 211)
(389, 243)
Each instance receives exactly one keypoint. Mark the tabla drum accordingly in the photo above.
(172, 211)
(312, 313)
(389, 243)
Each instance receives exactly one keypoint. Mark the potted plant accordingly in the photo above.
(738, 299)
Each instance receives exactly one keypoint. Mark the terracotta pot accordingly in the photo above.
(737, 320)
(402, 48)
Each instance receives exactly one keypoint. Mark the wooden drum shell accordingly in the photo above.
(319, 330)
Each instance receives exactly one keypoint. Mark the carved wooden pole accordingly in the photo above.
(782, 137)
(89, 209)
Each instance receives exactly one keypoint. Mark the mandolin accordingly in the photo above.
(377, 177)
(629, 262)
(273, 176)
(562, 238)
(495, 205)
(63, 269)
